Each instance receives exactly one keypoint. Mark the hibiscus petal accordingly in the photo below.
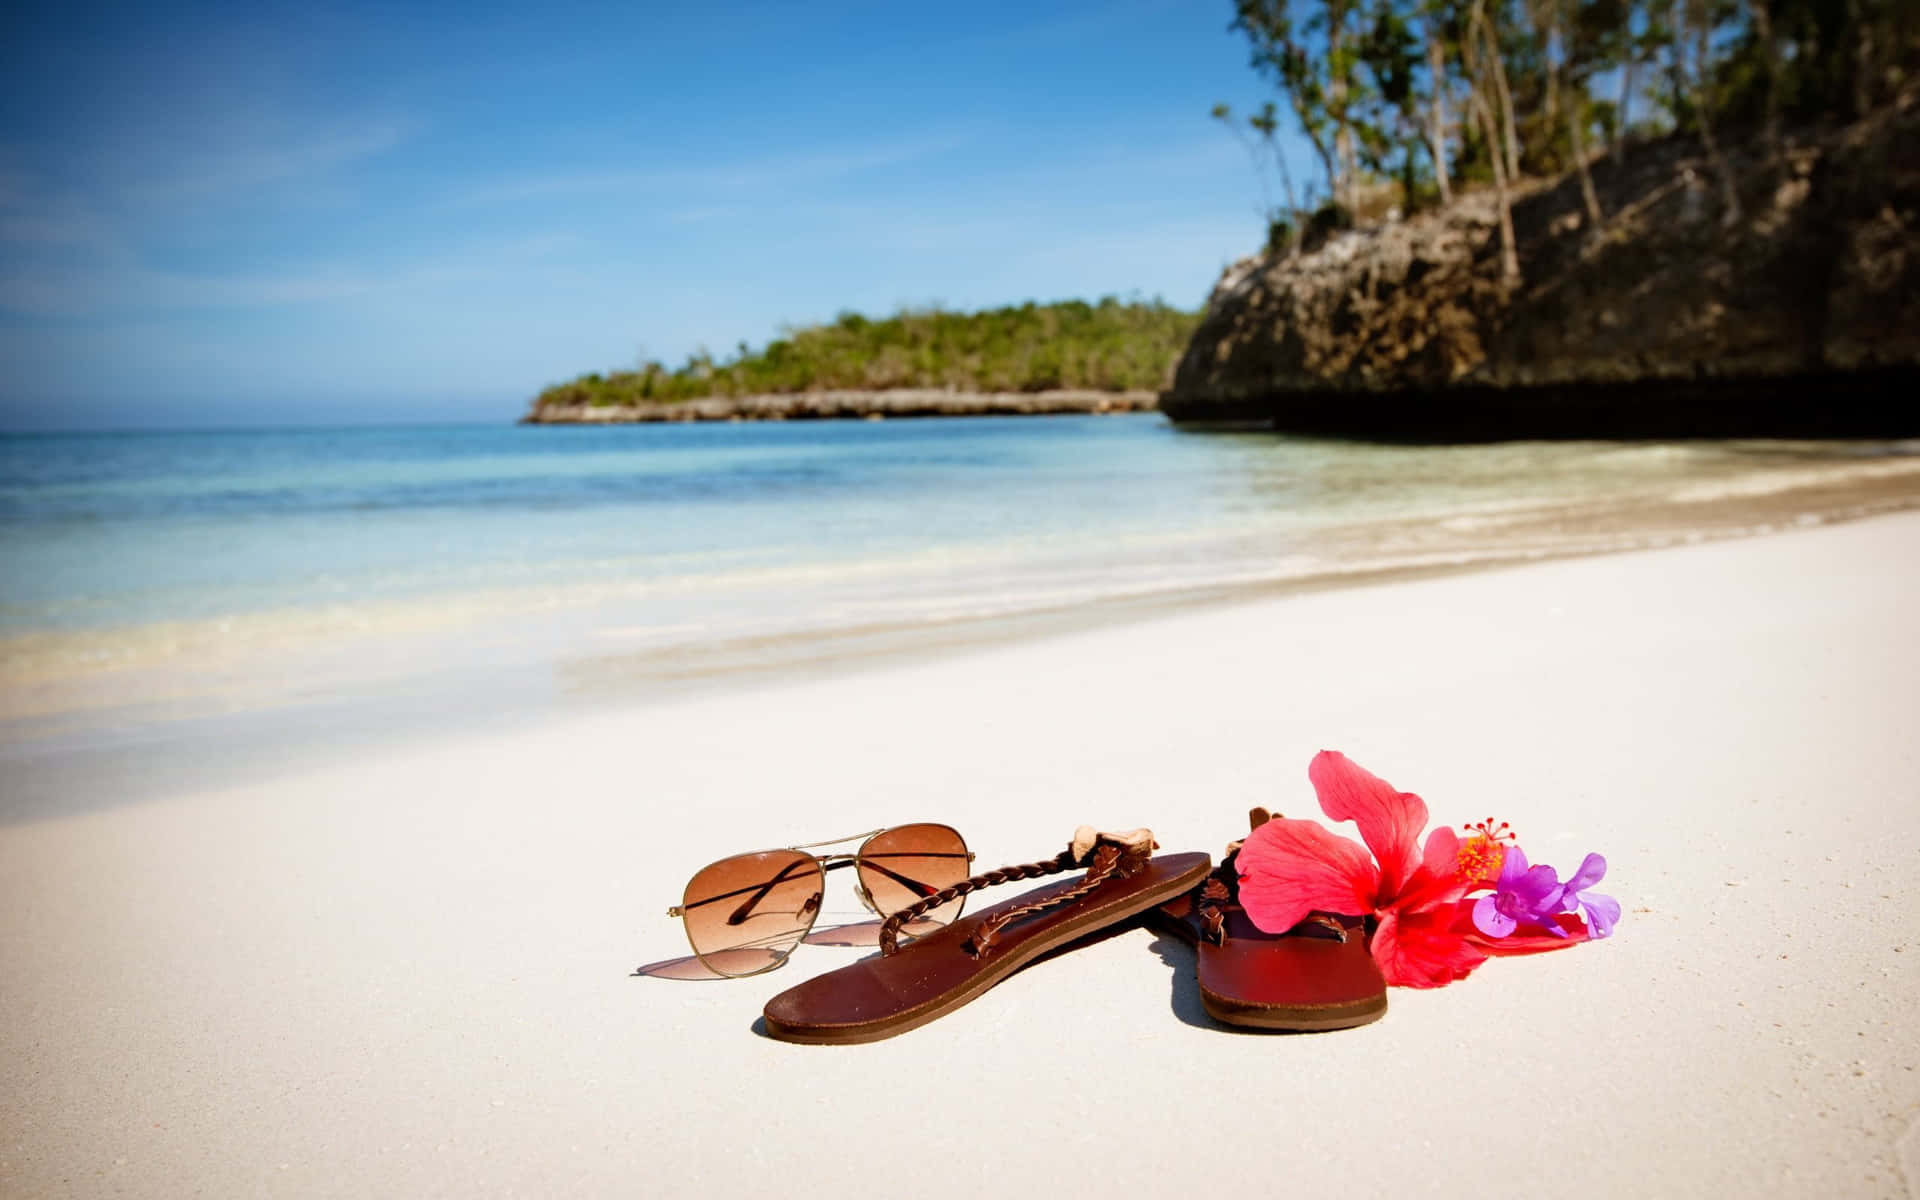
(1592, 870)
(1290, 868)
(1442, 856)
(1603, 913)
(1566, 930)
(1437, 881)
(1390, 822)
(1488, 918)
(1535, 939)
(1422, 950)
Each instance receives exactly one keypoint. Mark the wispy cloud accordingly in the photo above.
(70, 248)
(247, 201)
(90, 292)
(755, 176)
(33, 213)
(96, 291)
(269, 162)
(51, 228)
(131, 199)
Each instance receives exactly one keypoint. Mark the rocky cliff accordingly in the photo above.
(1802, 317)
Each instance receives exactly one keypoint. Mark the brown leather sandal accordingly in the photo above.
(1318, 975)
(907, 986)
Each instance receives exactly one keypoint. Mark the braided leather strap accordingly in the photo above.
(1214, 898)
(1103, 861)
(1105, 865)
(1212, 903)
(1221, 891)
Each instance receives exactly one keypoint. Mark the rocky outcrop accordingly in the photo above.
(1800, 318)
(813, 406)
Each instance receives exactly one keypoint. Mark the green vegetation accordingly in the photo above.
(1107, 346)
(1404, 100)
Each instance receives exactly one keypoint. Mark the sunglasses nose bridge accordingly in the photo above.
(829, 862)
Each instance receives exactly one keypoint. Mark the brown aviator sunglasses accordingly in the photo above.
(746, 913)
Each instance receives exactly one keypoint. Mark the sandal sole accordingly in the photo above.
(881, 997)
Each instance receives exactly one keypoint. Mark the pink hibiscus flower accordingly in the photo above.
(1423, 930)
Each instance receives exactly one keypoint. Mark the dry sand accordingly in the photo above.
(412, 974)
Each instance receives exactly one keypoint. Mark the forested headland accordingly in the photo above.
(1106, 346)
(1405, 102)
(1502, 203)
(1575, 218)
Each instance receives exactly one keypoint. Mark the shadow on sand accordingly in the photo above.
(1184, 997)
(688, 967)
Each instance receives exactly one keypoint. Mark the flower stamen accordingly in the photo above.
(1482, 854)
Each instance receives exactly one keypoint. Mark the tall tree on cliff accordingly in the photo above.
(1371, 83)
(1480, 50)
(1701, 18)
(1483, 17)
(1685, 26)
(1439, 93)
(1597, 39)
(1391, 133)
(1332, 21)
(1760, 14)
(1279, 54)
(1261, 138)
(1608, 42)
(1315, 63)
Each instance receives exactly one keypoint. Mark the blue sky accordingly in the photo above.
(264, 213)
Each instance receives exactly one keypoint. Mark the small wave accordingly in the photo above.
(1781, 480)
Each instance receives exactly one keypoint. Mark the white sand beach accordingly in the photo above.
(411, 970)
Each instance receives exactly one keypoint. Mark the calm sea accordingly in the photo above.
(132, 549)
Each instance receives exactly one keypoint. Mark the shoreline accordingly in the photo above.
(894, 403)
(425, 952)
(56, 684)
(169, 744)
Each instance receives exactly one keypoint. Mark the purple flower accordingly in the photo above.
(1522, 893)
(1602, 912)
(1535, 895)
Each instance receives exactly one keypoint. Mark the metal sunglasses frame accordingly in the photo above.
(823, 863)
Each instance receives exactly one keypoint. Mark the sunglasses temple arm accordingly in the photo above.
(905, 881)
(760, 893)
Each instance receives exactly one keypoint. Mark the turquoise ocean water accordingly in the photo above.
(180, 610)
(119, 547)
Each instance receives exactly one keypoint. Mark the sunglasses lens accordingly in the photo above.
(745, 914)
(901, 866)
